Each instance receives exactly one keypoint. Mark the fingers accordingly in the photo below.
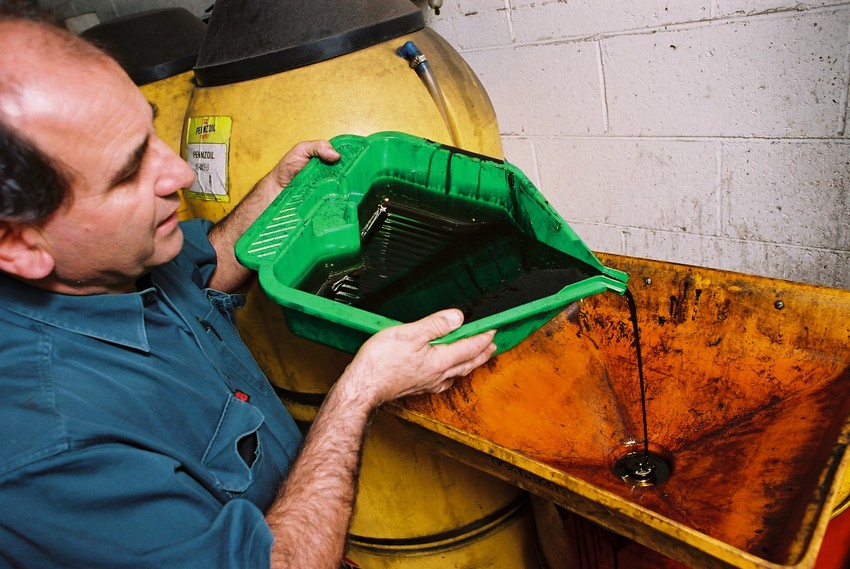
(442, 386)
(421, 332)
(463, 368)
(470, 348)
(466, 366)
(461, 356)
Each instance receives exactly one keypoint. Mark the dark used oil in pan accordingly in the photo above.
(643, 467)
(416, 262)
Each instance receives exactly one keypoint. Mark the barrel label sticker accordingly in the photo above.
(207, 142)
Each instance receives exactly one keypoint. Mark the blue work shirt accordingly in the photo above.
(136, 430)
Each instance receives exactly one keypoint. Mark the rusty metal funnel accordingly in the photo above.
(748, 394)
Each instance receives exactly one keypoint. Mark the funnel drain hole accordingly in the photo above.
(640, 468)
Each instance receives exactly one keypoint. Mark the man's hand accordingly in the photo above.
(295, 160)
(400, 361)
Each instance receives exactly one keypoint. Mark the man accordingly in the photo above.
(136, 429)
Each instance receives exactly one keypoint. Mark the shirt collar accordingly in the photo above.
(114, 318)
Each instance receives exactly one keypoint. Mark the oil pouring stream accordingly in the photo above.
(640, 468)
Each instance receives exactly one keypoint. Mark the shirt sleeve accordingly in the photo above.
(120, 506)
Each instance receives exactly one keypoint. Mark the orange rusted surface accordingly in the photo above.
(748, 392)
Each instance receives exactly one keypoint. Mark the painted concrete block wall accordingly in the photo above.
(708, 132)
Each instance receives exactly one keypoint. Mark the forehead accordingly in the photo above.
(79, 108)
(40, 66)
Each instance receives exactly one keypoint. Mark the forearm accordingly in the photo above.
(230, 275)
(311, 516)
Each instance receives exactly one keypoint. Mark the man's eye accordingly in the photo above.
(129, 177)
(130, 170)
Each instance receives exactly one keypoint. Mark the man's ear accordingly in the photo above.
(23, 253)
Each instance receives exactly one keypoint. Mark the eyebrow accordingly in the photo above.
(132, 165)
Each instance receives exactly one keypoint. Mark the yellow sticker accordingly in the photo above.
(207, 143)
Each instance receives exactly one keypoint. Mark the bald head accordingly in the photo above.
(35, 55)
(32, 182)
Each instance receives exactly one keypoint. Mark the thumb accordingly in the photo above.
(441, 323)
(325, 151)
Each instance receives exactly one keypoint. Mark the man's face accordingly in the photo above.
(120, 219)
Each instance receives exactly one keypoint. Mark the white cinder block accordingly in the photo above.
(543, 90)
(534, 20)
(846, 130)
(799, 264)
(787, 192)
(479, 30)
(471, 24)
(520, 153)
(653, 184)
(666, 157)
(672, 246)
(842, 264)
(815, 266)
(775, 76)
(445, 27)
(470, 6)
(725, 8)
(600, 237)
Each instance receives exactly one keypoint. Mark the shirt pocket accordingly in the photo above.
(235, 452)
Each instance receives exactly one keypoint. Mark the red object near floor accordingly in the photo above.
(835, 551)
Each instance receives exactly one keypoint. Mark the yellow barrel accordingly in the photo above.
(415, 506)
(419, 509)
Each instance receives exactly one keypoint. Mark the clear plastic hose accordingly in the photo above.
(419, 63)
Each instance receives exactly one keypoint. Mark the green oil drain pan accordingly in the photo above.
(401, 227)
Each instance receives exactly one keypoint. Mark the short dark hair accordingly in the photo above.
(31, 186)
